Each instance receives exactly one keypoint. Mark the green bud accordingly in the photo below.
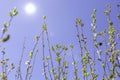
(65, 64)
(78, 21)
(65, 48)
(15, 11)
(103, 65)
(52, 70)
(87, 53)
(53, 48)
(58, 59)
(10, 13)
(31, 54)
(44, 17)
(56, 76)
(94, 11)
(44, 27)
(5, 24)
(6, 38)
(37, 37)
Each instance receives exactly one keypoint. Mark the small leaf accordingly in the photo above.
(3, 76)
(64, 78)
(5, 24)
(100, 33)
(31, 54)
(56, 76)
(37, 38)
(87, 53)
(27, 62)
(65, 64)
(15, 11)
(110, 23)
(58, 59)
(10, 13)
(78, 21)
(94, 11)
(71, 46)
(4, 29)
(52, 70)
(44, 17)
(3, 62)
(53, 48)
(48, 57)
(65, 48)
(58, 46)
(44, 27)
(103, 65)
(106, 12)
(94, 20)
(12, 66)
(73, 63)
(6, 38)
(92, 16)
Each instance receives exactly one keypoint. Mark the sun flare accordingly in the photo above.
(30, 8)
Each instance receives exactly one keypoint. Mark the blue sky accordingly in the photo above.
(61, 15)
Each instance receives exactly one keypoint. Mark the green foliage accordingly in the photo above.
(31, 54)
(6, 38)
(44, 27)
(56, 64)
(14, 12)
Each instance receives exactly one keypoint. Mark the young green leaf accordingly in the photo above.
(31, 54)
(6, 38)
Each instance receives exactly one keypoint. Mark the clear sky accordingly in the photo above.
(61, 15)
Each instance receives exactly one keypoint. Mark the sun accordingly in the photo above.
(30, 8)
